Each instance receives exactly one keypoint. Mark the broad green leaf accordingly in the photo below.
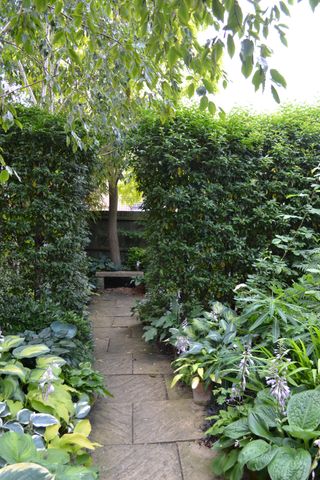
(14, 369)
(172, 56)
(83, 427)
(278, 78)
(64, 330)
(258, 426)
(235, 18)
(43, 420)
(25, 471)
(237, 429)
(252, 450)
(259, 463)
(301, 434)
(30, 351)
(15, 447)
(52, 456)
(290, 464)
(10, 342)
(247, 48)
(303, 410)
(47, 360)
(204, 101)
(78, 440)
(218, 9)
(71, 472)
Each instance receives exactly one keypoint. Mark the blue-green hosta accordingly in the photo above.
(287, 446)
(42, 418)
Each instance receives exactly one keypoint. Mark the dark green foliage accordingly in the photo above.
(217, 192)
(136, 258)
(43, 226)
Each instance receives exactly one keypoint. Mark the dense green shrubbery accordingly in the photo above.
(217, 192)
(43, 226)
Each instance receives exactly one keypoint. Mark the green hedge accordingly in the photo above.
(43, 267)
(216, 193)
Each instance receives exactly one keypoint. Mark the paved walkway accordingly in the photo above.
(148, 430)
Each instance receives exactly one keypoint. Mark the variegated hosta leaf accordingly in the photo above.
(25, 471)
(9, 342)
(30, 351)
(43, 420)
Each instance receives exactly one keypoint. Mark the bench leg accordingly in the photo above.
(100, 283)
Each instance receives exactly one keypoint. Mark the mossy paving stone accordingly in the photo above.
(167, 421)
(111, 423)
(136, 388)
(127, 344)
(139, 462)
(101, 321)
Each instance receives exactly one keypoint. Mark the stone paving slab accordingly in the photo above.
(129, 345)
(136, 388)
(167, 421)
(178, 391)
(115, 364)
(111, 423)
(101, 347)
(139, 462)
(101, 321)
(151, 363)
(196, 461)
(125, 322)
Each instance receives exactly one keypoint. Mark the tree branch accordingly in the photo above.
(23, 87)
(25, 81)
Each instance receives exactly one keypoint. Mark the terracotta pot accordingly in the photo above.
(202, 394)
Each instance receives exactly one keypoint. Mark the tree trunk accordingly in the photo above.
(113, 223)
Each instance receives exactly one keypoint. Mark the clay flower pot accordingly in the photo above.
(202, 394)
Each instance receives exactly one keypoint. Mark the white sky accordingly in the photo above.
(299, 63)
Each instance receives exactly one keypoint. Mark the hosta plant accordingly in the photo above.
(279, 445)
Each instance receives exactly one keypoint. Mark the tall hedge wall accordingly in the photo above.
(216, 193)
(43, 223)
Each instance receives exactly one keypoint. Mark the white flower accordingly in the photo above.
(239, 286)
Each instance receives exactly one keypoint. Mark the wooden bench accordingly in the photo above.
(100, 276)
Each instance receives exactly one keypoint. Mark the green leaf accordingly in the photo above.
(278, 78)
(237, 429)
(172, 56)
(275, 94)
(43, 420)
(284, 8)
(183, 12)
(4, 176)
(247, 48)
(9, 342)
(212, 108)
(314, 4)
(290, 464)
(259, 463)
(47, 360)
(218, 9)
(258, 426)
(235, 19)
(253, 450)
(190, 90)
(17, 447)
(25, 471)
(231, 45)
(301, 434)
(247, 66)
(209, 86)
(204, 103)
(74, 473)
(30, 351)
(14, 369)
(304, 410)
(41, 5)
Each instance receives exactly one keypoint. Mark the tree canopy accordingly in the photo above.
(90, 56)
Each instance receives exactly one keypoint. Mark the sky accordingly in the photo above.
(299, 63)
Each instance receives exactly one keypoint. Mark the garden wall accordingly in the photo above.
(130, 227)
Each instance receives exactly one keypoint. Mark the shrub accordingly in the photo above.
(216, 192)
(43, 225)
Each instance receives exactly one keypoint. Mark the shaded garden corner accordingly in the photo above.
(147, 429)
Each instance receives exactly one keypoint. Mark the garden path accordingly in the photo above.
(148, 430)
